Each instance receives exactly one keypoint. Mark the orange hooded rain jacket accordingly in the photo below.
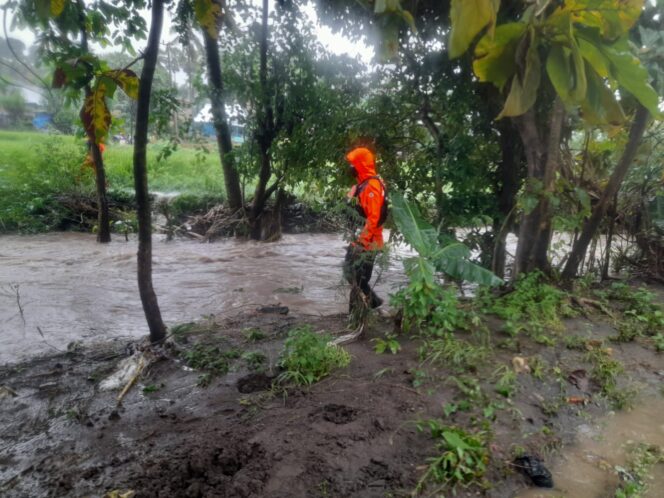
(371, 197)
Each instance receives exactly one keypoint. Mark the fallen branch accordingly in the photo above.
(139, 369)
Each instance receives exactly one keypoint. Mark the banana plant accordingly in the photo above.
(451, 259)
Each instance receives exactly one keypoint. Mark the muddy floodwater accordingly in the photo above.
(587, 469)
(72, 289)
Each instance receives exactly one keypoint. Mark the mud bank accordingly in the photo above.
(352, 435)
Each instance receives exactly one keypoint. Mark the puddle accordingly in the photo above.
(586, 468)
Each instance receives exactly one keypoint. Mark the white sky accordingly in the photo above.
(334, 43)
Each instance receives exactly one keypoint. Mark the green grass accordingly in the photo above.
(307, 357)
(36, 168)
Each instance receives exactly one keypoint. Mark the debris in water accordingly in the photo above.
(533, 467)
(281, 310)
(6, 392)
(125, 372)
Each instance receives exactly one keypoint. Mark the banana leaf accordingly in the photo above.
(451, 259)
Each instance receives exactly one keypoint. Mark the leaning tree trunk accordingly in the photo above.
(599, 211)
(103, 217)
(148, 296)
(217, 101)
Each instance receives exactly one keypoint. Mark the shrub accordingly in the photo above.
(308, 357)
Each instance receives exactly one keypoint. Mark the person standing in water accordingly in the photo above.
(369, 197)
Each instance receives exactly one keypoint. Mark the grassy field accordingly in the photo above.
(37, 168)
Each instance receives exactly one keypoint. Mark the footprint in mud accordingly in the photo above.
(339, 414)
(254, 382)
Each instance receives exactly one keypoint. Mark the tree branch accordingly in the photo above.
(19, 60)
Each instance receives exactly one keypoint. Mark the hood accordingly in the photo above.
(363, 161)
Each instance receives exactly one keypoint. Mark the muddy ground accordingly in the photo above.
(353, 434)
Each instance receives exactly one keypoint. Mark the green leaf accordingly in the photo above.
(454, 441)
(578, 92)
(613, 18)
(593, 55)
(494, 56)
(453, 261)
(380, 6)
(43, 9)
(633, 77)
(559, 69)
(600, 106)
(125, 79)
(523, 92)
(417, 232)
(468, 18)
(57, 6)
(208, 14)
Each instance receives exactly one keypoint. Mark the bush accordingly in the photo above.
(307, 357)
(533, 305)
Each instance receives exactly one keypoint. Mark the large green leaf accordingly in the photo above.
(523, 92)
(594, 56)
(415, 229)
(578, 92)
(495, 56)
(633, 77)
(559, 69)
(468, 18)
(613, 18)
(600, 106)
(452, 259)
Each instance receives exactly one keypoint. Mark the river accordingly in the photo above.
(72, 289)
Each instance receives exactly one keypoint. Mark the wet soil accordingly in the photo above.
(351, 435)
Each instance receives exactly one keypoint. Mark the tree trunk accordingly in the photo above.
(265, 135)
(509, 173)
(217, 101)
(436, 134)
(536, 229)
(148, 296)
(599, 211)
(103, 217)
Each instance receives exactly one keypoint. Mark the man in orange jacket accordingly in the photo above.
(369, 191)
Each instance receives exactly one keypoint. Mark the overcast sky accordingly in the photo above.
(335, 43)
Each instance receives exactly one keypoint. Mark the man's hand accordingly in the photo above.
(351, 192)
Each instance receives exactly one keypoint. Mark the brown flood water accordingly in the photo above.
(72, 288)
(587, 468)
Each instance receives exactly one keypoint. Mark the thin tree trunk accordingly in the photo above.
(435, 133)
(217, 100)
(103, 217)
(265, 133)
(599, 211)
(609, 239)
(148, 296)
